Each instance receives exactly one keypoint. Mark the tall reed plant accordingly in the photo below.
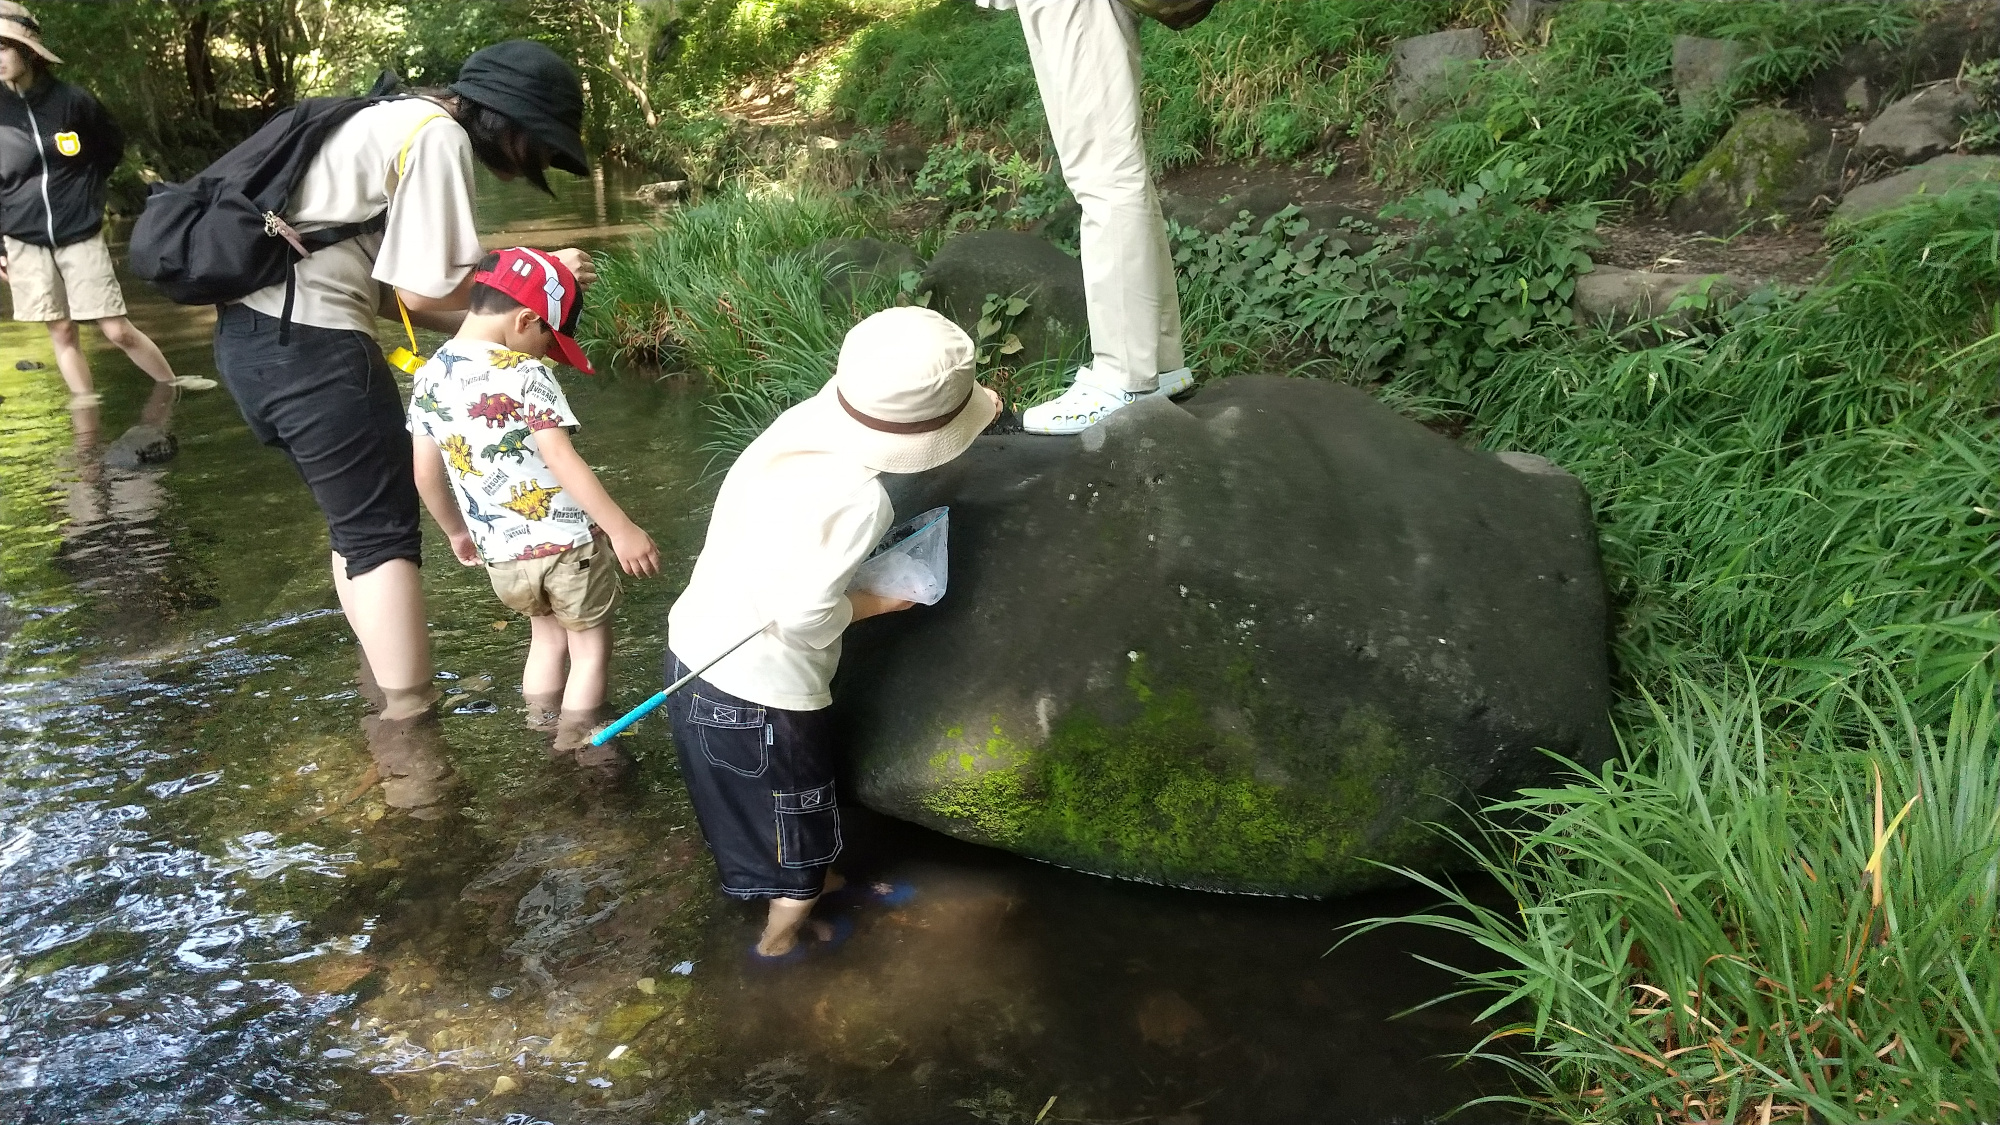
(731, 290)
(1736, 923)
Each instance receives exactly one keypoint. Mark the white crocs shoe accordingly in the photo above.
(1085, 404)
(1179, 381)
(1075, 410)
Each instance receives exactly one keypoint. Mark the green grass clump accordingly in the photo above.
(1809, 483)
(1272, 80)
(1806, 489)
(729, 290)
(1741, 923)
(1595, 110)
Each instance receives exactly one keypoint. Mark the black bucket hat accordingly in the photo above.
(534, 88)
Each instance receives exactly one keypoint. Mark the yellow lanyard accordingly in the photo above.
(408, 359)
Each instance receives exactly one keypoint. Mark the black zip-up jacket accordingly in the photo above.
(57, 149)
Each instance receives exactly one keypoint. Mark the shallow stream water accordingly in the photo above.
(208, 913)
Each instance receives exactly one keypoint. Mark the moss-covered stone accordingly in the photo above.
(1249, 645)
(1771, 162)
(1169, 797)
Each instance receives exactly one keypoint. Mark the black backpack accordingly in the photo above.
(221, 236)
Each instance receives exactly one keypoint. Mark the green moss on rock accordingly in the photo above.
(1761, 160)
(1169, 796)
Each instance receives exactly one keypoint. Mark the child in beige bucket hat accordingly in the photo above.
(797, 514)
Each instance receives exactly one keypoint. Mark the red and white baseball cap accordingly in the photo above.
(545, 286)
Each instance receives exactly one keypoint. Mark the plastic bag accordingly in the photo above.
(910, 563)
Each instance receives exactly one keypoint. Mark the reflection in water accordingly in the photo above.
(223, 902)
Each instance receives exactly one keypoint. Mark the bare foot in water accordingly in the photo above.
(789, 917)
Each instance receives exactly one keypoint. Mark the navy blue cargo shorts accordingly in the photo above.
(762, 783)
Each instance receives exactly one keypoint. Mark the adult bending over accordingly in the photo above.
(323, 392)
(57, 148)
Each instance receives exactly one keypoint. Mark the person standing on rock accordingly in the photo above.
(319, 388)
(1086, 60)
(58, 148)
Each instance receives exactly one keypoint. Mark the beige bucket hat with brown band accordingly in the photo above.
(903, 398)
(18, 25)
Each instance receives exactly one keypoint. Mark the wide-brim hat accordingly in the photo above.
(903, 398)
(535, 89)
(18, 25)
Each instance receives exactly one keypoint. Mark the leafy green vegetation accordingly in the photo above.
(1595, 111)
(1805, 483)
(1253, 80)
(1483, 269)
(1719, 925)
(1746, 919)
(731, 291)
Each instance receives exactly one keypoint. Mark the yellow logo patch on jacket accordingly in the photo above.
(68, 144)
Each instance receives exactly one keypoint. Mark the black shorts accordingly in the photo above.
(762, 783)
(329, 400)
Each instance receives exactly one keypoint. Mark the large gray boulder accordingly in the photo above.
(970, 267)
(1702, 66)
(1771, 162)
(1423, 68)
(1933, 177)
(1250, 644)
(1615, 297)
(856, 265)
(1920, 126)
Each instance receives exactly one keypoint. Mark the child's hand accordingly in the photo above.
(463, 547)
(636, 552)
(868, 605)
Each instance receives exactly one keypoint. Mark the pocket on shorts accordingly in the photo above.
(808, 827)
(733, 735)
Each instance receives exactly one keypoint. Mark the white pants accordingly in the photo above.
(1086, 56)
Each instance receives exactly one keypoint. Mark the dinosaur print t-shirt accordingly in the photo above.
(483, 405)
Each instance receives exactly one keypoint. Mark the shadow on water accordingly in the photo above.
(208, 911)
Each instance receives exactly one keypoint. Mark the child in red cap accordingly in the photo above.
(491, 431)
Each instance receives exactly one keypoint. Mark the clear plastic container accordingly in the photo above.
(910, 563)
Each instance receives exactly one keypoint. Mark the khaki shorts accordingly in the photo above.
(73, 282)
(579, 588)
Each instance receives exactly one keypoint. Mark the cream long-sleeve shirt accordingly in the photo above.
(792, 522)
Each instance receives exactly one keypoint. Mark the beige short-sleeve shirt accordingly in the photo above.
(431, 241)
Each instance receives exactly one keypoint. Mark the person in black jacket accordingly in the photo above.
(57, 148)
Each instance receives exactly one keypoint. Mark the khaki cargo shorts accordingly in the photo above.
(73, 282)
(579, 588)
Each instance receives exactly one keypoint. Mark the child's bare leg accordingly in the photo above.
(589, 669)
(781, 927)
(70, 360)
(548, 656)
(138, 347)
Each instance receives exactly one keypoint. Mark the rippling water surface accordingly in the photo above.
(208, 912)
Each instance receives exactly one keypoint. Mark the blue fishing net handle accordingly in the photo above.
(651, 705)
